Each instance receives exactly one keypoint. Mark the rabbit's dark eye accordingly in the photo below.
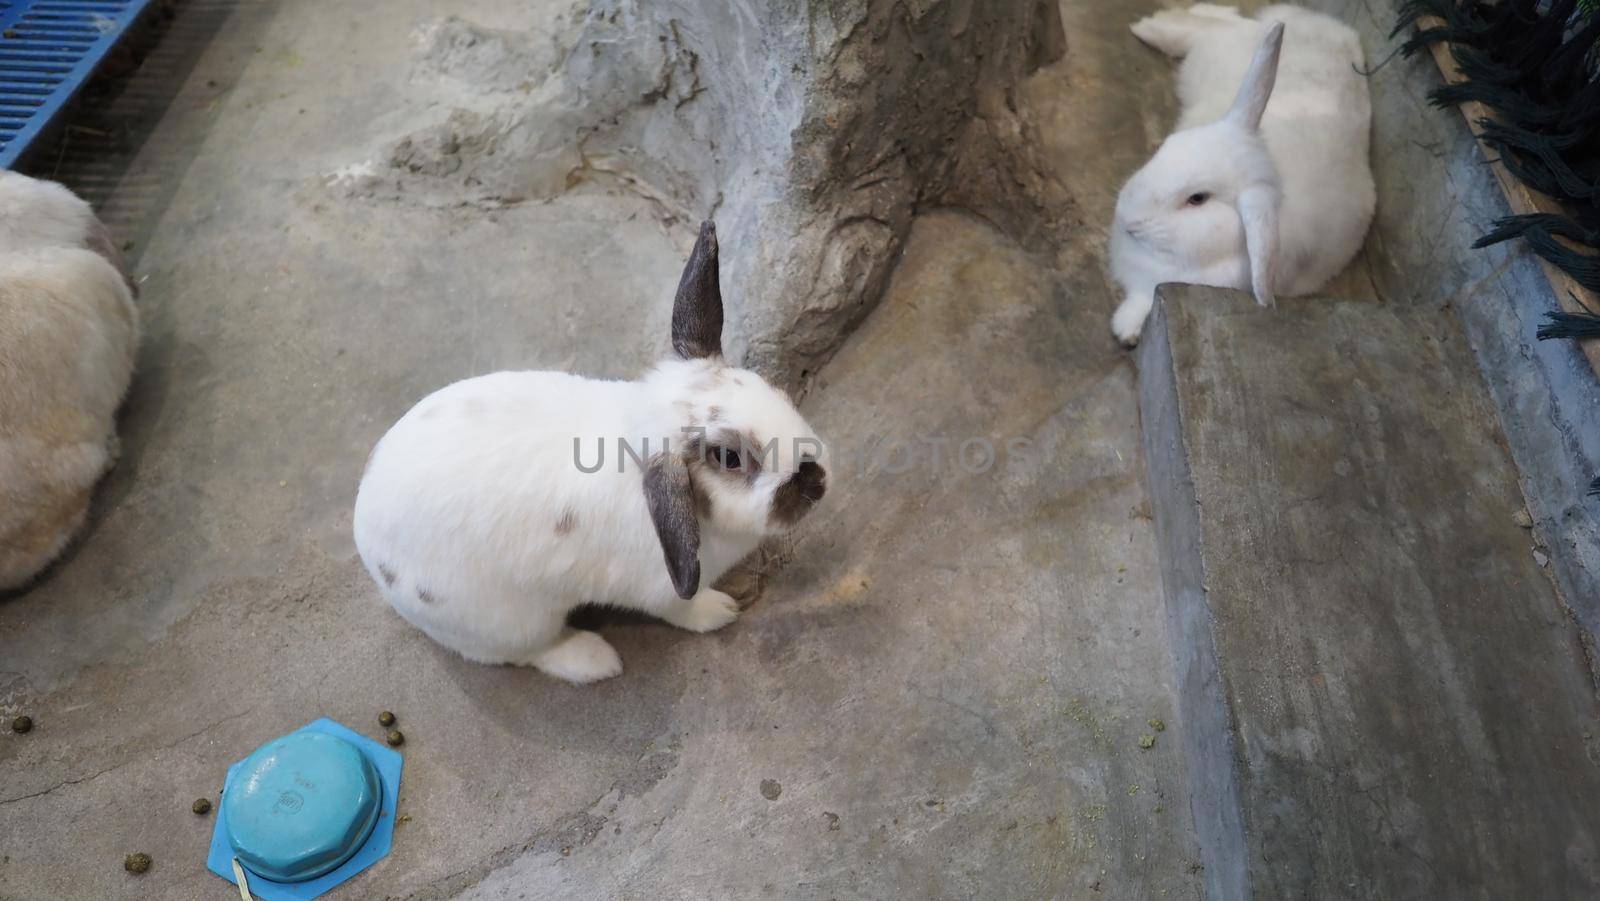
(1198, 198)
(726, 457)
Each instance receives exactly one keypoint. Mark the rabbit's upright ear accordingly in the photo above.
(697, 310)
(670, 495)
(1258, 210)
(1251, 101)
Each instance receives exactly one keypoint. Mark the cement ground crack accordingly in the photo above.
(574, 829)
(138, 756)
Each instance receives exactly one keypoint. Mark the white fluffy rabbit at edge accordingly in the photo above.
(68, 335)
(1272, 197)
(481, 527)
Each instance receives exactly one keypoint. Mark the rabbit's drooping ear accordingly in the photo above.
(1251, 101)
(670, 496)
(697, 310)
(1258, 210)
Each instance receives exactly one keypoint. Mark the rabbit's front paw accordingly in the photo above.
(1128, 322)
(580, 657)
(708, 611)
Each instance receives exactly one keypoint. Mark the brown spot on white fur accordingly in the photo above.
(795, 498)
(388, 575)
(758, 456)
(426, 596)
(711, 381)
(714, 415)
(567, 522)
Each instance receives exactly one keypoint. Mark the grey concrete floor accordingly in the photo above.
(943, 692)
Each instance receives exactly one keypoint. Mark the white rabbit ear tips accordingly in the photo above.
(1251, 101)
(1258, 213)
(1273, 43)
(697, 310)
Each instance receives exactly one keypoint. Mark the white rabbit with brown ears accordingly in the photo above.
(500, 503)
(1270, 197)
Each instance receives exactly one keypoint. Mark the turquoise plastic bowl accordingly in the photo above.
(301, 805)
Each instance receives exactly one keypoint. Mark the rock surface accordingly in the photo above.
(811, 130)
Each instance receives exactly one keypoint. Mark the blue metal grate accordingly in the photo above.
(48, 49)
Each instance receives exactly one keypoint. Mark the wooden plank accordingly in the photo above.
(1573, 297)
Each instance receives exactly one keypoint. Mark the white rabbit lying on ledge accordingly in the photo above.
(1272, 197)
(68, 333)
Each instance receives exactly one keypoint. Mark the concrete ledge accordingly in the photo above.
(1382, 695)
(1208, 728)
(1437, 194)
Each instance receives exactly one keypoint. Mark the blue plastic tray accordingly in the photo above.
(48, 50)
